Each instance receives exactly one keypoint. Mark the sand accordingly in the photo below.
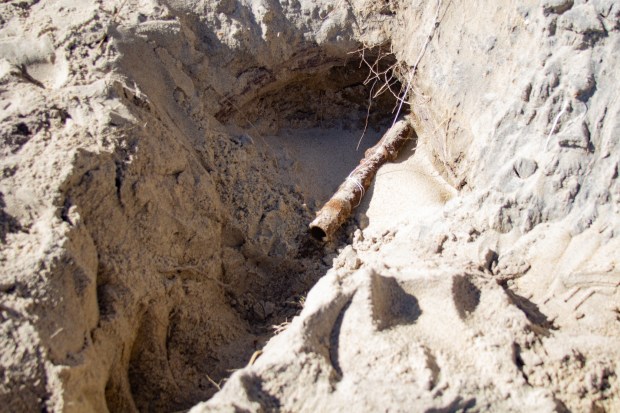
(161, 162)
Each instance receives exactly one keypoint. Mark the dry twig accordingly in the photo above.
(21, 72)
(217, 385)
(254, 357)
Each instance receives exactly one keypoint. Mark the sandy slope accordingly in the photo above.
(161, 161)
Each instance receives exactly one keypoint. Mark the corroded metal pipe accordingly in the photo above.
(350, 193)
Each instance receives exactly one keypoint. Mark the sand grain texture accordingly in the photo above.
(161, 161)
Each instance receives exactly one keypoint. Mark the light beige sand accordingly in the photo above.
(148, 247)
(322, 158)
(410, 189)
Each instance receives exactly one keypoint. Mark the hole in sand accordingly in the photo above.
(320, 124)
(288, 144)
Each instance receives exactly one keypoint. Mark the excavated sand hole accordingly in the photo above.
(287, 149)
(321, 123)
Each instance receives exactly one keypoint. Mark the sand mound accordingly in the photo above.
(161, 161)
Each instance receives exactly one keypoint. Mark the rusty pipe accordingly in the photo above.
(350, 193)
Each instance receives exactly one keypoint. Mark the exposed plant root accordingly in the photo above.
(391, 75)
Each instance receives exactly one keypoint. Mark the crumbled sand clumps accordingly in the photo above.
(161, 161)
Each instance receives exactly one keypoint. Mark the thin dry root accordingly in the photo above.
(350, 193)
(254, 357)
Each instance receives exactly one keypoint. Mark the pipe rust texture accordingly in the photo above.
(350, 193)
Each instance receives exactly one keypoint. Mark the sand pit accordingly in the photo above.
(161, 162)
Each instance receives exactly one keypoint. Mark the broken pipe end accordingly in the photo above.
(318, 233)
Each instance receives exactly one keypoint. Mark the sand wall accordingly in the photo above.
(162, 159)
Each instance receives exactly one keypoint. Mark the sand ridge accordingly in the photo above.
(161, 161)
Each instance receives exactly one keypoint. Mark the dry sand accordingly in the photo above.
(321, 158)
(161, 161)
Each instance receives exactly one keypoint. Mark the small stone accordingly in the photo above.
(358, 236)
(243, 140)
(348, 259)
(509, 267)
(269, 308)
(472, 234)
(259, 311)
(436, 246)
(353, 263)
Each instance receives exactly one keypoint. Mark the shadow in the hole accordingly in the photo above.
(531, 310)
(334, 342)
(459, 404)
(466, 296)
(226, 81)
(392, 305)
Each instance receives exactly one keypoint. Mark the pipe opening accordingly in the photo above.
(317, 233)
